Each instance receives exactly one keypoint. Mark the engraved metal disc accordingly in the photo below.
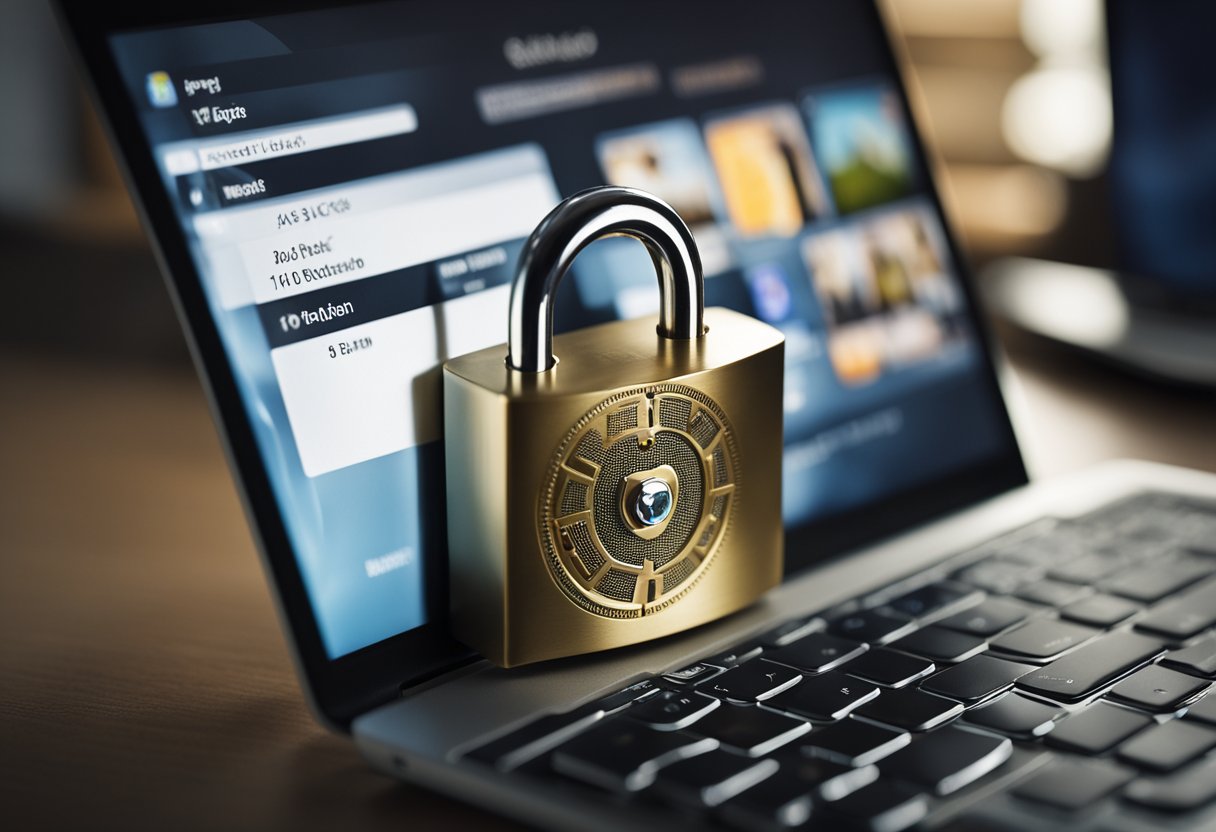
(594, 550)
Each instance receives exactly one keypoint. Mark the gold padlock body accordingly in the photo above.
(530, 578)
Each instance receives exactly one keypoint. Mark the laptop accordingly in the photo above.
(339, 194)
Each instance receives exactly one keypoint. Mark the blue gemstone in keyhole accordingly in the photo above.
(653, 502)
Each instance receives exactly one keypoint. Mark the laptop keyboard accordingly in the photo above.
(1068, 663)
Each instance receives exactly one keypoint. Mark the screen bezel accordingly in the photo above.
(340, 689)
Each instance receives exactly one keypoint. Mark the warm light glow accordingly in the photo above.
(1004, 202)
(1060, 118)
(957, 18)
(1070, 303)
(1054, 29)
(1059, 114)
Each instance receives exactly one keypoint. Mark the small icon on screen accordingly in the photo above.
(160, 90)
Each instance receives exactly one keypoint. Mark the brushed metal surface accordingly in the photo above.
(504, 430)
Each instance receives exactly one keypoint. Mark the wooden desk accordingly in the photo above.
(145, 681)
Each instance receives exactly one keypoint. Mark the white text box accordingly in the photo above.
(358, 245)
(288, 140)
(349, 407)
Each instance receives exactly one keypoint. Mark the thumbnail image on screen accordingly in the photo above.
(862, 142)
(668, 160)
(768, 175)
(886, 297)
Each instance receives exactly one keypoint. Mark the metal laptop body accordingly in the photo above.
(414, 700)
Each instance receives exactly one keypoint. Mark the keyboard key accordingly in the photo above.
(712, 778)
(941, 645)
(1015, 715)
(1168, 746)
(818, 652)
(1055, 546)
(1199, 659)
(1151, 526)
(750, 730)
(1157, 689)
(1120, 553)
(975, 679)
(889, 668)
(1113, 515)
(536, 738)
(933, 600)
(692, 674)
(737, 655)
(1077, 675)
(831, 780)
(672, 710)
(975, 820)
(1084, 570)
(987, 618)
(910, 709)
(882, 806)
(783, 634)
(625, 756)
(826, 698)
(854, 743)
(947, 760)
(1149, 584)
(1097, 729)
(1073, 785)
(1051, 593)
(752, 682)
(636, 692)
(1100, 611)
(1042, 639)
(1183, 617)
(785, 800)
(1185, 791)
(871, 626)
(998, 576)
(1204, 710)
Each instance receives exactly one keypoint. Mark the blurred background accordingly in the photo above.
(1016, 98)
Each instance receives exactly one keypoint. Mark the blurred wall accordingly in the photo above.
(1015, 96)
(40, 140)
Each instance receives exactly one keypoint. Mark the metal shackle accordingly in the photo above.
(580, 220)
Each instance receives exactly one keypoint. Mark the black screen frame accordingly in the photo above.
(340, 689)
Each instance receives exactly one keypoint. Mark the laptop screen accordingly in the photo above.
(355, 184)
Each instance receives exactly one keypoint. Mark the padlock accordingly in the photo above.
(629, 488)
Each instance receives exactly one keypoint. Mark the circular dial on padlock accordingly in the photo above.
(639, 496)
